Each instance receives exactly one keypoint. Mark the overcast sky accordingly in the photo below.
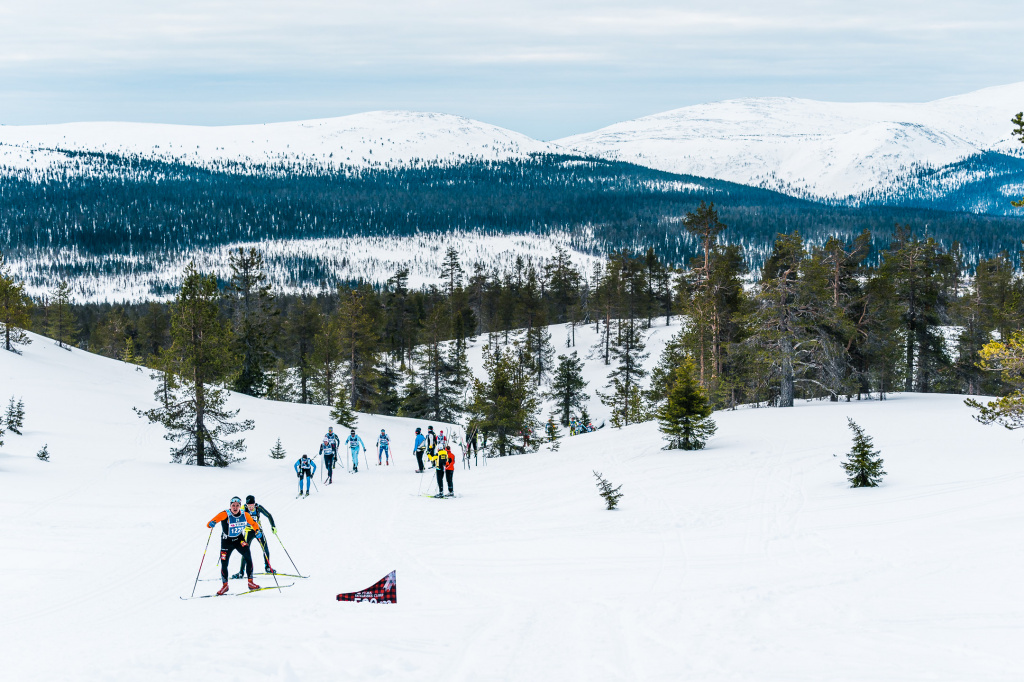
(547, 68)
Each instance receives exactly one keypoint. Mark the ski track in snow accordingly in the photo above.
(750, 560)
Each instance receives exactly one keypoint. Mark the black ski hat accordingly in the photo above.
(250, 499)
(417, 429)
(430, 428)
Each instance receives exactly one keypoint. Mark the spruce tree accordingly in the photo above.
(567, 386)
(863, 465)
(359, 345)
(62, 327)
(685, 419)
(44, 453)
(436, 370)
(505, 404)
(15, 307)
(605, 490)
(201, 354)
(14, 420)
(625, 396)
(551, 430)
(326, 362)
(128, 354)
(278, 384)
(252, 313)
(277, 452)
(342, 414)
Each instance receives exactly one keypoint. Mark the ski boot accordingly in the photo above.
(253, 586)
(269, 569)
(239, 575)
(355, 469)
(439, 495)
(223, 590)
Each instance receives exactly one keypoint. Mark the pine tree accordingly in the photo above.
(303, 327)
(415, 401)
(62, 325)
(359, 345)
(14, 420)
(342, 414)
(195, 412)
(1007, 358)
(278, 383)
(15, 307)
(551, 430)
(326, 362)
(128, 354)
(625, 396)
(863, 465)
(685, 418)
(252, 305)
(567, 386)
(277, 452)
(44, 453)
(437, 373)
(505, 404)
(605, 490)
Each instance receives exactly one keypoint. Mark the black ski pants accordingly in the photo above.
(329, 461)
(419, 459)
(443, 474)
(229, 545)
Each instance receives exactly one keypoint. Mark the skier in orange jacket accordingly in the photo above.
(233, 522)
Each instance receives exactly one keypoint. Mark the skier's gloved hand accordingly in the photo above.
(274, 528)
(259, 534)
(211, 524)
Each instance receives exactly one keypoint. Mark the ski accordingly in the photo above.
(239, 594)
(285, 575)
(439, 497)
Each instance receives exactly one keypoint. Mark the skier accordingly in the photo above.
(354, 442)
(572, 426)
(329, 451)
(333, 437)
(418, 448)
(256, 511)
(442, 440)
(431, 443)
(305, 467)
(233, 522)
(383, 448)
(444, 465)
(471, 442)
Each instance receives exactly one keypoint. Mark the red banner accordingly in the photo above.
(384, 591)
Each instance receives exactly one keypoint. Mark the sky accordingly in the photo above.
(544, 68)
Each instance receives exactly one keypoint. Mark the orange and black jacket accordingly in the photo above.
(444, 460)
(233, 526)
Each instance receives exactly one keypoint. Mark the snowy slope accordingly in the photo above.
(372, 139)
(822, 149)
(750, 560)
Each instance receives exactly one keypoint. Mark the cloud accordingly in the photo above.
(529, 63)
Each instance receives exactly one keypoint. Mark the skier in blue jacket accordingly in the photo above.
(383, 448)
(354, 442)
(305, 467)
(418, 448)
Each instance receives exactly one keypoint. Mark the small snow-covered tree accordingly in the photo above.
(604, 489)
(685, 419)
(342, 414)
(863, 465)
(277, 452)
(15, 417)
(44, 454)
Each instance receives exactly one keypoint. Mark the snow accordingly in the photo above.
(750, 560)
(801, 146)
(372, 258)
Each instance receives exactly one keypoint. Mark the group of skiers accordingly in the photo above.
(438, 451)
(577, 426)
(240, 525)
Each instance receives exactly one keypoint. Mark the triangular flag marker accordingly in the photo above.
(384, 591)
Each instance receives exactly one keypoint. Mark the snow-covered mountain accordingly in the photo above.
(749, 560)
(818, 149)
(373, 139)
(854, 152)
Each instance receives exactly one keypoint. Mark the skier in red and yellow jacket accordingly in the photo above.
(444, 465)
(233, 522)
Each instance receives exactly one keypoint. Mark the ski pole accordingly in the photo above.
(314, 484)
(266, 560)
(201, 562)
(287, 554)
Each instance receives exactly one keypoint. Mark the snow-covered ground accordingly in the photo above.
(118, 277)
(750, 560)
